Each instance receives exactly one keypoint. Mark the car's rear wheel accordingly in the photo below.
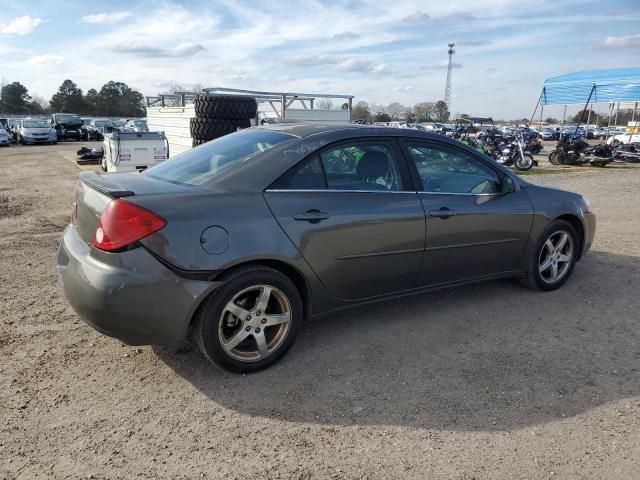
(251, 321)
(554, 258)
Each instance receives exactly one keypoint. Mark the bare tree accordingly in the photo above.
(361, 111)
(376, 108)
(324, 104)
(396, 110)
(37, 99)
(424, 111)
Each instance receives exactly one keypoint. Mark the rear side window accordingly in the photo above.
(307, 175)
(363, 166)
(206, 162)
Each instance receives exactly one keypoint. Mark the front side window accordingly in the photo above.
(447, 170)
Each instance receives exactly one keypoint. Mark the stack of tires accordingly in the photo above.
(219, 115)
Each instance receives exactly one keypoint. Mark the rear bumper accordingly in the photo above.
(128, 295)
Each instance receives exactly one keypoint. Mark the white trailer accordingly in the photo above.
(172, 114)
(133, 151)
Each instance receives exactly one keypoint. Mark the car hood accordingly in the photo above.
(36, 130)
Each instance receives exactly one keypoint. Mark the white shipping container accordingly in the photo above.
(175, 123)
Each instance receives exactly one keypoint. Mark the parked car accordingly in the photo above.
(32, 131)
(68, 126)
(99, 126)
(14, 127)
(549, 134)
(241, 239)
(5, 139)
(624, 138)
(136, 126)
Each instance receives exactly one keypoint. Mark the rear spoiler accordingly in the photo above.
(109, 187)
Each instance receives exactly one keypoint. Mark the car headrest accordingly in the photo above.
(373, 165)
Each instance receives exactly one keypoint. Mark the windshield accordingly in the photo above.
(35, 124)
(204, 163)
(140, 123)
(102, 123)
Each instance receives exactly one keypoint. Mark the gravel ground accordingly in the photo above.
(487, 381)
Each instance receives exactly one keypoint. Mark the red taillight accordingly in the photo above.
(123, 223)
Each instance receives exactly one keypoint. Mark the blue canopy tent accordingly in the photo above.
(596, 86)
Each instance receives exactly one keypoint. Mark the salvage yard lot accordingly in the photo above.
(485, 381)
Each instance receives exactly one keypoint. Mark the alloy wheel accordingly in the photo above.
(254, 323)
(556, 257)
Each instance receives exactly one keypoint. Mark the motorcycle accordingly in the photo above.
(629, 152)
(534, 145)
(511, 153)
(575, 151)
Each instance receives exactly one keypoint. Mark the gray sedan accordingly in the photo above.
(237, 242)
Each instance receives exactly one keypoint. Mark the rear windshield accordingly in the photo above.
(204, 163)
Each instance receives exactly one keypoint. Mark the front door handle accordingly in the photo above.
(443, 213)
(313, 216)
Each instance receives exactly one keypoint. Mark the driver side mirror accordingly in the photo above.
(507, 185)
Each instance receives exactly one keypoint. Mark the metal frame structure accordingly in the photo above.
(285, 99)
(597, 86)
(447, 89)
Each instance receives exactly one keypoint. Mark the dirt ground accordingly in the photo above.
(488, 381)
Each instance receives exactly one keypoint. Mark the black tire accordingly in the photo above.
(198, 141)
(554, 158)
(211, 314)
(534, 278)
(211, 128)
(225, 106)
(526, 163)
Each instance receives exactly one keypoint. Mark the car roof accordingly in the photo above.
(304, 130)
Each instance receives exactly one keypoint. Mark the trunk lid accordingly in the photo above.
(95, 190)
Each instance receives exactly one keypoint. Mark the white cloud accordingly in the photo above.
(405, 88)
(20, 26)
(45, 59)
(473, 43)
(625, 41)
(417, 17)
(346, 36)
(114, 17)
(145, 50)
(442, 65)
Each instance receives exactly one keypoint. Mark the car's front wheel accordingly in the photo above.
(554, 258)
(251, 321)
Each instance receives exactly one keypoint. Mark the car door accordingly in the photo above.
(478, 220)
(352, 213)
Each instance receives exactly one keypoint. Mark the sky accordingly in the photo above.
(381, 52)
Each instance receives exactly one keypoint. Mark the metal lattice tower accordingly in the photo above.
(447, 90)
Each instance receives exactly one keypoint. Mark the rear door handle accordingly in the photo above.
(443, 213)
(313, 216)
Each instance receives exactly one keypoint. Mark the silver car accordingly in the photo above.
(32, 131)
(136, 126)
(5, 139)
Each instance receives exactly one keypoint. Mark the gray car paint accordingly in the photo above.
(373, 246)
